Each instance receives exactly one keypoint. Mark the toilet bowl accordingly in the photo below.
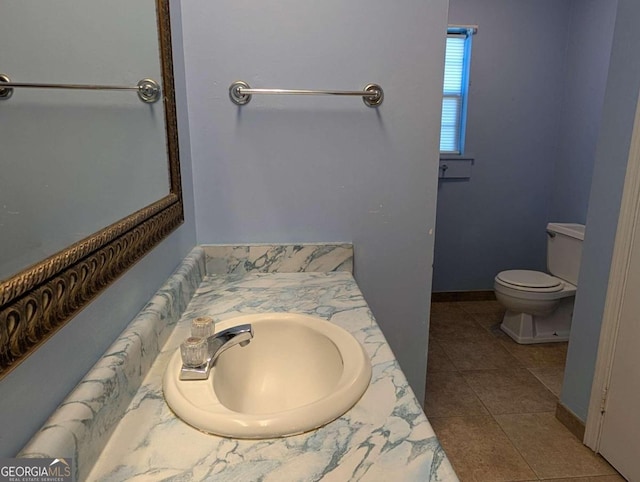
(539, 306)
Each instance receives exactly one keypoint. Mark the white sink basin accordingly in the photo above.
(298, 373)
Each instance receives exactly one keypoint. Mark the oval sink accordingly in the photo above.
(298, 373)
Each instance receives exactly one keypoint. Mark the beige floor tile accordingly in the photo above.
(456, 327)
(599, 478)
(481, 306)
(479, 450)
(549, 448)
(437, 360)
(493, 328)
(537, 355)
(480, 354)
(510, 391)
(551, 377)
(452, 316)
(498, 334)
(448, 395)
(489, 320)
(445, 307)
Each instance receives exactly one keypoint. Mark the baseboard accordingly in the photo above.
(452, 296)
(570, 420)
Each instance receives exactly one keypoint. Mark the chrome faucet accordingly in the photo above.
(217, 344)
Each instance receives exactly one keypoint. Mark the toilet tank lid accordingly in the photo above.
(568, 229)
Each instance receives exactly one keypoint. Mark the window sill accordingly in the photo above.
(456, 157)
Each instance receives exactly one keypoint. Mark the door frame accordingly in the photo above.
(628, 222)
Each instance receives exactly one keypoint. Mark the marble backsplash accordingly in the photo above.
(278, 258)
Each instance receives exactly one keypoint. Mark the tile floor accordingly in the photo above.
(492, 402)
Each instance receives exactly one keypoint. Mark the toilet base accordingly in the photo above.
(526, 329)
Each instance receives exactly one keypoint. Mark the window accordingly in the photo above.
(456, 85)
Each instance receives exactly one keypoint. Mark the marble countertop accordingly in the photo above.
(386, 436)
(118, 427)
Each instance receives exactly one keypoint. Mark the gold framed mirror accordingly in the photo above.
(38, 300)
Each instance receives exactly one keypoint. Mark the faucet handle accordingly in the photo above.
(202, 326)
(194, 351)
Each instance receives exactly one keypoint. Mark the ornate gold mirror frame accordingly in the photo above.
(39, 300)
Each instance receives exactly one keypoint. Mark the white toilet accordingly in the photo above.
(540, 306)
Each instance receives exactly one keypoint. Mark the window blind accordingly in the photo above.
(456, 70)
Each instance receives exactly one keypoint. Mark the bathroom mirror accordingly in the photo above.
(91, 178)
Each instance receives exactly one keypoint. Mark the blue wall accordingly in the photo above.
(31, 392)
(587, 63)
(496, 219)
(538, 72)
(295, 169)
(609, 172)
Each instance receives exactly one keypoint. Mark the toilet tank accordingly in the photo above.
(564, 250)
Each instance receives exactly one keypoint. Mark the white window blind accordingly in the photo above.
(454, 94)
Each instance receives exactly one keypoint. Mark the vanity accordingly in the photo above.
(117, 425)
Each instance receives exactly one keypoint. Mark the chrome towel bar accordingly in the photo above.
(148, 89)
(240, 93)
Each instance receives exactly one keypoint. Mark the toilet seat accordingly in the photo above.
(531, 281)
